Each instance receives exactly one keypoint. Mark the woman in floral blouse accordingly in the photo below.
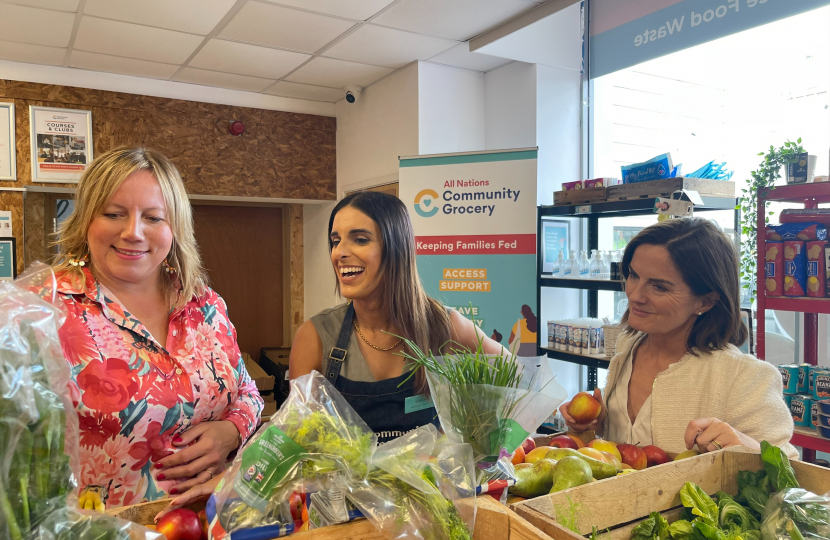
(162, 394)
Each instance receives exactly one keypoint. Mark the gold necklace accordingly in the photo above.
(372, 345)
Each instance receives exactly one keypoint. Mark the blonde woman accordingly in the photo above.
(162, 394)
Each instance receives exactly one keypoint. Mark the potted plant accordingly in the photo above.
(768, 172)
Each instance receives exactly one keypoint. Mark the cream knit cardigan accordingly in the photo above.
(734, 387)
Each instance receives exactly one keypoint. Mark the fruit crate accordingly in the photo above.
(494, 521)
(617, 505)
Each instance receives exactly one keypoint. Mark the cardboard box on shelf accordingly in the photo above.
(263, 381)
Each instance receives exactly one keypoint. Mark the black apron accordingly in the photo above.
(380, 404)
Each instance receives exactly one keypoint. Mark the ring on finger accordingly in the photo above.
(211, 474)
(716, 444)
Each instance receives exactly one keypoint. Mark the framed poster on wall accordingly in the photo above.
(554, 240)
(61, 141)
(8, 163)
(8, 259)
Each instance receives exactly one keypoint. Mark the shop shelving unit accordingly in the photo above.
(810, 195)
(592, 213)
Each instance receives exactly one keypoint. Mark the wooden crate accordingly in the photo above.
(620, 504)
(493, 522)
(667, 186)
(579, 196)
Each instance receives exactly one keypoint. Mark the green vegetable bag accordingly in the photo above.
(35, 429)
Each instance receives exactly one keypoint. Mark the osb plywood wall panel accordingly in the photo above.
(13, 201)
(281, 154)
(295, 217)
(34, 222)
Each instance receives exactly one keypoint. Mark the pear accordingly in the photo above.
(570, 472)
(599, 469)
(534, 479)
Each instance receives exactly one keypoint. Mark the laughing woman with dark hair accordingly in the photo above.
(354, 345)
(678, 379)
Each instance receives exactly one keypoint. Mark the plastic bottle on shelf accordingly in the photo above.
(557, 266)
(570, 270)
(594, 265)
(604, 270)
(584, 265)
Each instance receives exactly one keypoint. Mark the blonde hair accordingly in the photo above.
(97, 186)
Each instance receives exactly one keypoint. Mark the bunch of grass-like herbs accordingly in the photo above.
(478, 392)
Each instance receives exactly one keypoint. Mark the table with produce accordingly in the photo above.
(315, 469)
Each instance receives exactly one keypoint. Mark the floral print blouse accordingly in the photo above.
(134, 396)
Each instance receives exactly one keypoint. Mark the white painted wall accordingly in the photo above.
(371, 134)
(450, 109)
(510, 107)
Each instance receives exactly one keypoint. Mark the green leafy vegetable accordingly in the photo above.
(700, 503)
(681, 529)
(734, 516)
(756, 498)
(778, 467)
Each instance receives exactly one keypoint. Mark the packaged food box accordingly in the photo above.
(795, 268)
(800, 409)
(774, 268)
(797, 231)
(570, 186)
(789, 378)
(816, 273)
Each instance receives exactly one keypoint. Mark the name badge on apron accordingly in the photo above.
(417, 403)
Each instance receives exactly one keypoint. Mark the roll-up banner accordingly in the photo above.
(627, 33)
(474, 216)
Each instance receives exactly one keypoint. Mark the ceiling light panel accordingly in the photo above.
(337, 73)
(457, 19)
(135, 41)
(36, 26)
(353, 9)
(245, 59)
(222, 80)
(124, 66)
(195, 16)
(284, 27)
(306, 91)
(32, 54)
(380, 46)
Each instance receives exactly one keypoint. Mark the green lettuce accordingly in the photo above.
(778, 467)
(699, 503)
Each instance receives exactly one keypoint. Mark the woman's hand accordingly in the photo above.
(597, 425)
(703, 431)
(207, 446)
(199, 493)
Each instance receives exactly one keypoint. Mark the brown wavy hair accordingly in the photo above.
(708, 262)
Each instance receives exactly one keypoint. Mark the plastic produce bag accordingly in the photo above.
(796, 514)
(419, 487)
(493, 418)
(314, 442)
(38, 424)
(73, 524)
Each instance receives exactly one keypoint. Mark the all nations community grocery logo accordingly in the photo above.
(425, 203)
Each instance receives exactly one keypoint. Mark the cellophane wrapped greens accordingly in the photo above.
(38, 424)
(74, 524)
(315, 442)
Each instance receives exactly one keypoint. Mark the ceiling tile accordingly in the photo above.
(135, 41)
(306, 91)
(284, 27)
(337, 73)
(32, 54)
(386, 47)
(124, 66)
(59, 5)
(37, 26)
(223, 80)
(196, 16)
(459, 19)
(460, 56)
(353, 9)
(244, 59)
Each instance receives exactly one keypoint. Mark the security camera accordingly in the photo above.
(352, 93)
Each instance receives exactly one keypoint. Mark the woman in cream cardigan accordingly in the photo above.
(678, 379)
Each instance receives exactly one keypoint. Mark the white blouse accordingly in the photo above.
(620, 428)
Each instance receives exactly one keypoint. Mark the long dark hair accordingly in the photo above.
(532, 323)
(418, 317)
(708, 262)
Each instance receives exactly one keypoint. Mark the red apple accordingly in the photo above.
(563, 441)
(180, 524)
(584, 408)
(633, 456)
(528, 445)
(296, 504)
(655, 455)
